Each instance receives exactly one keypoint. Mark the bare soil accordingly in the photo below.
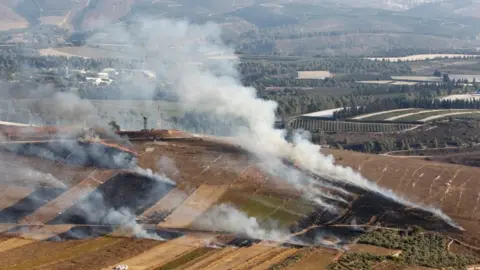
(319, 259)
(38, 253)
(11, 194)
(163, 253)
(197, 203)
(371, 249)
(452, 188)
(110, 255)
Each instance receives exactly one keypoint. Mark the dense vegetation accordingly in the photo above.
(418, 248)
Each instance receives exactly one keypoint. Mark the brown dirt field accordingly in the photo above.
(58, 52)
(371, 249)
(10, 19)
(463, 250)
(204, 162)
(14, 243)
(41, 232)
(453, 188)
(418, 268)
(386, 265)
(85, 52)
(278, 258)
(43, 253)
(163, 253)
(168, 203)
(265, 259)
(197, 203)
(317, 259)
(68, 198)
(110, 255)
(12, 194)
(239, 258)
(203, 262)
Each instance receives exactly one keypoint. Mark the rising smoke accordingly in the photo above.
(226, 218)
(171, 48)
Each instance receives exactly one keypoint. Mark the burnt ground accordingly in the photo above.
(38, 198)
(85, 154)
(193, 162)
(117, 201)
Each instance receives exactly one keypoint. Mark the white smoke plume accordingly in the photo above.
(167, 165)
(172, 49)
(152, 175)
(16, 172)
(29, 176)
(95, 210)
(226, 218)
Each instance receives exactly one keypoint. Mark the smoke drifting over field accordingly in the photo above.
(227, 218)
(171, 48)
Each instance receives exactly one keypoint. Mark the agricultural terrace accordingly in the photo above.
(312, 124)
(381, 115)
(422, 57)
(461, 97)
(422, 79)
(415, 115)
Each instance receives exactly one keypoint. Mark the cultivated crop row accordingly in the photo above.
(344, 126)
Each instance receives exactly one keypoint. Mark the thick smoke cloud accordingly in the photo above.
(174, 49)
(183, 55)
(95, 211)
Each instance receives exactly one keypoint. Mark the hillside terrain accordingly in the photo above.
(295, 28)
(175, 221)
(11, 20)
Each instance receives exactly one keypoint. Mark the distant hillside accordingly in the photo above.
(100, 12)
(11, 20)
(83, 14)
(448, 8)
(264, 17)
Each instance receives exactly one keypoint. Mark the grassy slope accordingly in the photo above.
(264, 207)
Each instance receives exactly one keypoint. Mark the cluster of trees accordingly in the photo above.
(15, 62)
(373, 99)
(418, 248)
(340, 64)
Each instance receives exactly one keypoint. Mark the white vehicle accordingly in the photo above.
(121, 267)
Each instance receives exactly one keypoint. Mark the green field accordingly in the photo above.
(268, 207)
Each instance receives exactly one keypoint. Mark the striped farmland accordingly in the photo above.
(312, 124)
